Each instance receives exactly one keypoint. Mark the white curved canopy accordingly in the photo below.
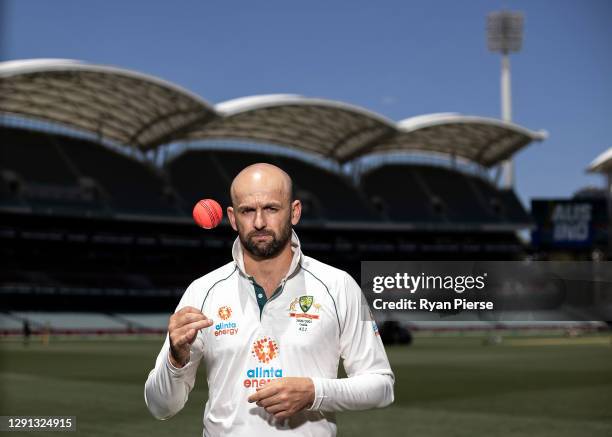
(121, 105)
(486, 141)
(144, 112)
(325, 127)
(603, 163)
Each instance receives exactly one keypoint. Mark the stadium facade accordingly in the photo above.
(100, 167)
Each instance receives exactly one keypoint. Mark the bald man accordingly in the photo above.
(271, 327)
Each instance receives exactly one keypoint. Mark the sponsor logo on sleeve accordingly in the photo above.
(374, 325)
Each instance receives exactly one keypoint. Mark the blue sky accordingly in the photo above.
(398, 58)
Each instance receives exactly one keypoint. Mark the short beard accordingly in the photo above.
(267, 250)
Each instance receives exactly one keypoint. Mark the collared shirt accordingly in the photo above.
(260, 294)
(317, 316)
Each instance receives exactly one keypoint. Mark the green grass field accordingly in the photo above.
(445, 386)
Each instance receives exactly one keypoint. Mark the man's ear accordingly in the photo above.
(231, 217)
(296, 212)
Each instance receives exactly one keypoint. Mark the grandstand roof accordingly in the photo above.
(143, 111)
(343, 132)
(603, 163)
(486, 141)
(325, 127)
(131, 108)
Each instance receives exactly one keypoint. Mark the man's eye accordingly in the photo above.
(271, 208)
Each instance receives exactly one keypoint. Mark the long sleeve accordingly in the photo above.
(370, 378)
(167, 388)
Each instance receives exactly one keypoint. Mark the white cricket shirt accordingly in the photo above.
(314, 318)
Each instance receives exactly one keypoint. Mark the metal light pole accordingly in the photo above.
(505, 35)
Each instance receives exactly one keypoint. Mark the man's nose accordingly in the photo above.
(260, 221)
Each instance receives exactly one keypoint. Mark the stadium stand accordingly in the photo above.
(34, 170)
(66, 321)
(330, 194)
(461, 203)
(60, 172)
(326, 195)
(145, 321)
(10, 324)
(32, 156)
(408, 202)
(62, 322)
(97, 224)
(503, 202)
(437, 194)
(130, 185)
(196, 175)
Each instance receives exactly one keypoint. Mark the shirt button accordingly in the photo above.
(260, 295)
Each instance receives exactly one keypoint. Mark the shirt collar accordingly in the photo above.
(237, 254)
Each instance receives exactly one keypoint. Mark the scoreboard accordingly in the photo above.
(570, 224)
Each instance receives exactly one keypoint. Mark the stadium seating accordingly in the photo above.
(407, 202)
(70, 320)
(60, 173)
(64, 322)
(57, 173)
(326, 196)
(157, 321)
(9, 323)
(35, 157)
(333, 197)
(129, 185)
(461, 202)
(102, 271)
(35, 174)
(200, 174)
(435, 194)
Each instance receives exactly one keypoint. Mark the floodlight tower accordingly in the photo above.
(505, 35)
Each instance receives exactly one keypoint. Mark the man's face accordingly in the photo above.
(263, 221)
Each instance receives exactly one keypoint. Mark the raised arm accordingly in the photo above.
(170, 382)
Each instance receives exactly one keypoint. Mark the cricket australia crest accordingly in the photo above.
(305, 303)
(310, 311)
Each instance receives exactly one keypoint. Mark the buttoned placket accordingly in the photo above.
(258, 289)
(260, 293)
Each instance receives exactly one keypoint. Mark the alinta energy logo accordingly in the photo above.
(225, 328)
(265, 349)
(224, 312)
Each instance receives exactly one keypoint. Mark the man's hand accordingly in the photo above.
(284, 397)
(183, 328)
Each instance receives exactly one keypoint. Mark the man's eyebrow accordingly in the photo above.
(264, 205)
